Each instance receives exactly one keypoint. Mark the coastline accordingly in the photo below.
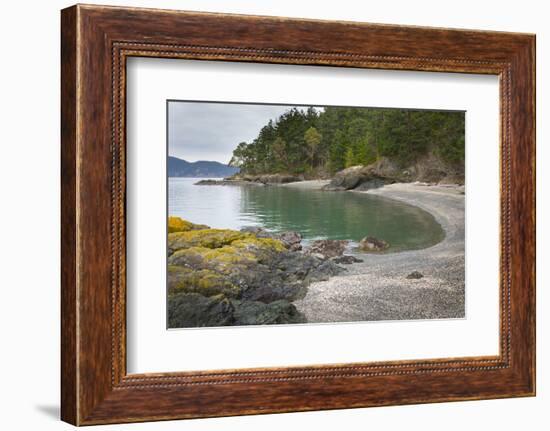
(377, 288)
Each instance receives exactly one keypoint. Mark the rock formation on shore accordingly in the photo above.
(219, 277)
(429, 169)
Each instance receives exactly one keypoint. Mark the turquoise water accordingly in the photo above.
(315, 214)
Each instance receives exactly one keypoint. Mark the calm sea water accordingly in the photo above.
(315, 214)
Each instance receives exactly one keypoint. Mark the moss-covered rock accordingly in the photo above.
(219, 259)
(258, 275)
(209, 238)
(177, 224)
(204, 281)
(254, 244)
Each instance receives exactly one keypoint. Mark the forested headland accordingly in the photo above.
(319, 142)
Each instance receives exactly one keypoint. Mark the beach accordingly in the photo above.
(378, 287)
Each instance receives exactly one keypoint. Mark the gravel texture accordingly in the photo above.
(378, 288)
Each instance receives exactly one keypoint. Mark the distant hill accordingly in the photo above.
(201, 169)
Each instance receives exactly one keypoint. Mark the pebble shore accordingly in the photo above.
(378, 288)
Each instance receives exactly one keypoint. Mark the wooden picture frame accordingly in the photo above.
(95, 43)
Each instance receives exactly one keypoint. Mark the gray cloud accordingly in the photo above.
(210, 131)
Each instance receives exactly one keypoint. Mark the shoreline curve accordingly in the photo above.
(377, 289)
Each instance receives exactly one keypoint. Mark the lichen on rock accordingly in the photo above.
(209, 238)
(258, 276)
(177, 224)
(203, 281)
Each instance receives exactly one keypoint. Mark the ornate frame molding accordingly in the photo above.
(96, 41)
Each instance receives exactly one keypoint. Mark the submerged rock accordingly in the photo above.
(415, 275)
(346, 260)
(371, 243)
(328, 247)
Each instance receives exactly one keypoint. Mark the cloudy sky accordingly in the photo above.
(211, 131)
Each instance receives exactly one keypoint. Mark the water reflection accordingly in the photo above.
(315, 214)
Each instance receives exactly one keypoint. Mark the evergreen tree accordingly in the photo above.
(307, 140)
(313, 139)
(349, 159)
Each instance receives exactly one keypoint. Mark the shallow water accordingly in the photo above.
(315, 214)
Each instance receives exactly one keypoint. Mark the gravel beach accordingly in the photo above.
(378, 288)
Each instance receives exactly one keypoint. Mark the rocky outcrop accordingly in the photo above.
(429, 169)
(371, 243)
(260, 313)
(327, 248)
(188, 310)
(226, 182)
(265, 178)
(176, 224)
(248, 277)
(279, 179)
(240, 180)
(290, 239)
(364, 177)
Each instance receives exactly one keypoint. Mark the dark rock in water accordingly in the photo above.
(210, 183)
(346, 260)
(267, 178)
(328, 247)
(259, 313)
(224, 182)
(414, 275)
(371, 243)
(193, 310)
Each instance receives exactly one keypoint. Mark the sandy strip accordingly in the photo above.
(378, 289)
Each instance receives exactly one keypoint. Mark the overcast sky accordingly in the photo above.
(211, 131)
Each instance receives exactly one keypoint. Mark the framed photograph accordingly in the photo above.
(322, 214)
